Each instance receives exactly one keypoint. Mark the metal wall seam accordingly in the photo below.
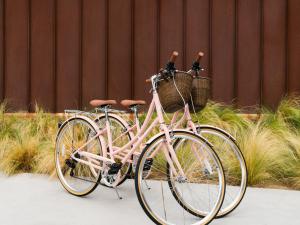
(80, 55)
(30, 107)
(54, 39)
(184, 14)
(235, 53)
(210, 69)
(158, 34)
(287, 47)
(261, 75)
(132, 2)
(106, 46)
(3, 48)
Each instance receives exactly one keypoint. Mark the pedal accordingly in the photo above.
(114, 168)
(70, 163)
(148, 164)
(77, 156)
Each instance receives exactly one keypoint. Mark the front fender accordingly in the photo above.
(179, 130)
(217, 128)
(93, 124)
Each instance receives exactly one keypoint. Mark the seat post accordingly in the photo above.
(134, 109)
(106, 112)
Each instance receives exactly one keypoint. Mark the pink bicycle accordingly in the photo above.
(224, 143)
(178, 177)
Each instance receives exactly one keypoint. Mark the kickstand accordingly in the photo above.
(119, 197)
(149, 188)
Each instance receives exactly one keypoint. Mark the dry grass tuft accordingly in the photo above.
(27, 142)
(271, 145)
(19, 156)
(261, 149)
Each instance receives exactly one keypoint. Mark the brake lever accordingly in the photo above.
(197, 68)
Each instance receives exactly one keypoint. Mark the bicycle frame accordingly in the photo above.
(130, 148)
(190, 124)
(185, 117)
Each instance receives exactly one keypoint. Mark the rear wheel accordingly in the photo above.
(172, 199)
(234, 166)
(77, 178)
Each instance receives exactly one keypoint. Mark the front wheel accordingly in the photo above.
(175, 199)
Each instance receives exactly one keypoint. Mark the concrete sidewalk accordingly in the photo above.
(35, 200)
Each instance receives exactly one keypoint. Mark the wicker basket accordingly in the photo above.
(200, 93)
(169, 97)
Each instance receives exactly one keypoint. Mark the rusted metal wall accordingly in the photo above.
(62, 53)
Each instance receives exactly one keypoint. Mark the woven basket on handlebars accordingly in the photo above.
(200, 93)
(172, 99)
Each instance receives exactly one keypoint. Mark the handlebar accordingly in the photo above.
(196, 64)
(170, 67)
(173, 57)
(199, 57)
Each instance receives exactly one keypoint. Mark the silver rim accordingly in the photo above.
(161, 205)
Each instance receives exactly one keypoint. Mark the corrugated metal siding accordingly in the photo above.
(62, 53)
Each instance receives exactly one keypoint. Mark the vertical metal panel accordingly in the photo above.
(2, 13)
(274, 51)
(197, 32)
(80, 68)
(145, 50)
(171, 31)
(223, 49)
(248, 62)
(54, 39)
(158, 9)
(119, 49)
(16, 54)
(42, 53)
(294, 46)
(68, 54)
(261, 55)
(93, 55)
(132, 31)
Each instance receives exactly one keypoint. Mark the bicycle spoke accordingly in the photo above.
(189, 191)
